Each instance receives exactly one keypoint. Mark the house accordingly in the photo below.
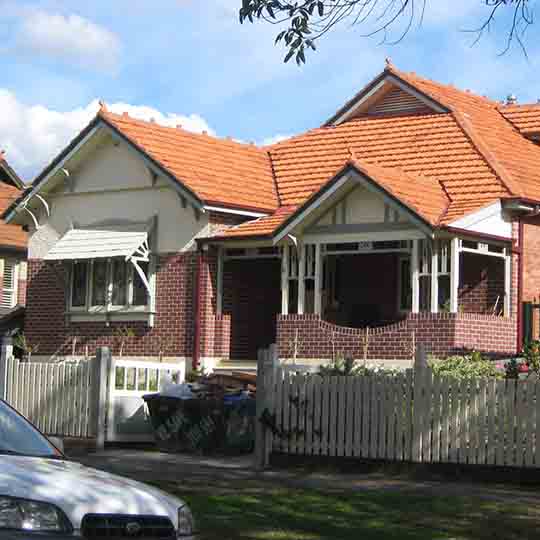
(411, 216)
(12, 252)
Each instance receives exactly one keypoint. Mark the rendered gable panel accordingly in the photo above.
(488, 220)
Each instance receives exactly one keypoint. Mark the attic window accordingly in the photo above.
(398, 101)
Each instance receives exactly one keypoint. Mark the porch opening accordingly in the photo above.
(252, 298)
(363, 290)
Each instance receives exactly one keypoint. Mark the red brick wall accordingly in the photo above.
(21, 292)
(481, 284)
(442, 334)
(531, 259)
(172, 333)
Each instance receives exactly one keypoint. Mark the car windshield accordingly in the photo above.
(18, 436)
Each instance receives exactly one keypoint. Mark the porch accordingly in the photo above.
(370, 299)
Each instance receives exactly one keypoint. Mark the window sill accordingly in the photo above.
(133, 315)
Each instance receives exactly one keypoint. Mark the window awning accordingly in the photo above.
(100, 243)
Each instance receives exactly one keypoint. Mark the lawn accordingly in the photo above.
(252, 512)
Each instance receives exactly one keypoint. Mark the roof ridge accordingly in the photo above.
(476, 140)
(275, 186)
(104, 113)
(411, 75)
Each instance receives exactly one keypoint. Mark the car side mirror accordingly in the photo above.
(58, 442)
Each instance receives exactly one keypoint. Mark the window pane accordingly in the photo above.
(99, 283)
(444, 293)
(140, 295)
(405, 301)
(78, 284)
(119, 294)
(425, 293)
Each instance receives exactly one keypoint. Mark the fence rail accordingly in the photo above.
(414, 416)
(58, 398)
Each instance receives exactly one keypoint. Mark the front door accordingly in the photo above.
(252, 298)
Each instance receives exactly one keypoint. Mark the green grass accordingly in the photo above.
(251, 511)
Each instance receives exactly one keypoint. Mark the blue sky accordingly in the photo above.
(190, 62)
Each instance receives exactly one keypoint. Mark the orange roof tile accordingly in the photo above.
(10, 235)
(526, 117)
(515, 160)
(432, 145)
(218, 171)
(442, 164)
(264, 226)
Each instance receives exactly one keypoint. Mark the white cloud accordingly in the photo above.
(32, 134)
(71, 38)
(274, 139)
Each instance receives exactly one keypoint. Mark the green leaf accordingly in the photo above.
(289, 56)
(321, 9)
(279, 37)
(270, 11)
(300, 57)
(296, 43)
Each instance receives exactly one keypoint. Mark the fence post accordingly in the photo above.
(260, 438)
(5, 354)
(267, 361)
(103, 363)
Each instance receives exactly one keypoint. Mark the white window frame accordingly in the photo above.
(13, 290)
(108, 307)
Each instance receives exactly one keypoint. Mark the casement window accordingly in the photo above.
(9, 284)
(115, 284)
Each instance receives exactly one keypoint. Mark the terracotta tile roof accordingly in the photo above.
(466, 158)
(218, 171)
(433, 146)
(526, 117)
(10, 235)
(515, 160)
(264, 226)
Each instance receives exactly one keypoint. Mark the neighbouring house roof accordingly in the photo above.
(11, 236)
(526, 117)
(219, 171)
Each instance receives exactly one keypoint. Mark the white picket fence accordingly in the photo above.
(58, 398)
(414, 416)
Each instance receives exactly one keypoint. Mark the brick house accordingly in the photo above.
(12, 248)
(410, 216)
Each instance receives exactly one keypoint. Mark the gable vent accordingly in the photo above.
(396, 101)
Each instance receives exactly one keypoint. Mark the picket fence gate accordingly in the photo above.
(414, 416)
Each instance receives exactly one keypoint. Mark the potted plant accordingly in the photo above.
(21, 342)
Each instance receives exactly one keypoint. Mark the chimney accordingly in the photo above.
(511, 99)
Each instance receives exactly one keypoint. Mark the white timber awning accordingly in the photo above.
(102, 243)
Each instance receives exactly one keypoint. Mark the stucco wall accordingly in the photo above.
(115, 184)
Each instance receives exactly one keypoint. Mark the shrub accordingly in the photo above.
(531, 354)
(345, 367)
(466, 367)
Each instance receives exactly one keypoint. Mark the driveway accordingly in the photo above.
(233, 473)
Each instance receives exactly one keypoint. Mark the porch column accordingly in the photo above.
(435, 277)
(507, 282)
(285, 280)
(415, 283)
(301, 277)
(219, 285)
(454, 275)
(318, 279)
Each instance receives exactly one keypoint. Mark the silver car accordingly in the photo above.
(44, 495)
